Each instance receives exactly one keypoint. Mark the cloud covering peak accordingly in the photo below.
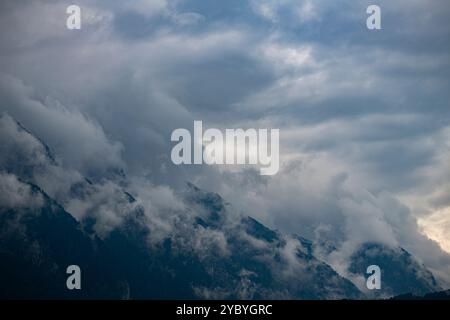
(363, 117)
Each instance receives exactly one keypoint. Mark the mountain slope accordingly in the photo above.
(400, 272)
(52, 217)
(38, 243)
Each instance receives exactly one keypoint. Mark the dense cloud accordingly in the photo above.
(16, 195)
(364, 116)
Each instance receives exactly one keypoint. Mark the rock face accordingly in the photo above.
(202, 250)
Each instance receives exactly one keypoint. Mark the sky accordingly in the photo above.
(364, 115)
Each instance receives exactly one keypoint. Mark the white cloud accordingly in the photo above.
(437, 227)
(17, 195)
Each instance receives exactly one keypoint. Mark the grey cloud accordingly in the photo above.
(62, 128)
(15, 194)
(363, 116)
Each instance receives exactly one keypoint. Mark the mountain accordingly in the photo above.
(262, 263)
(37, 243)
(401, 273)
(52, 217)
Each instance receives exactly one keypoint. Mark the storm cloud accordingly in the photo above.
(363, 115)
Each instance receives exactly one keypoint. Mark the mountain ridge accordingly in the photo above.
(209, 251)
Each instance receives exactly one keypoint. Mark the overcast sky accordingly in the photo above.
(364, 116)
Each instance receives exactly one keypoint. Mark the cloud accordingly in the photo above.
(17, 195)
(62, 128)
(363, 116)
(436, 227)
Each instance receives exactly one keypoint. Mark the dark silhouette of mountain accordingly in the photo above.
(36, 246)
(206, 250)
